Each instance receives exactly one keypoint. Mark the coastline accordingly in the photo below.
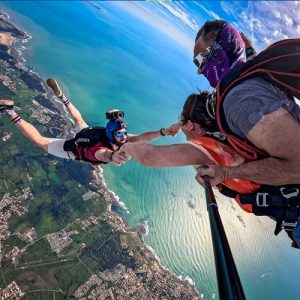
(98, 185)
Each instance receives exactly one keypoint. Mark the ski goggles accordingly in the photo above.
(120, 134)
(206, 55)
(201, 57)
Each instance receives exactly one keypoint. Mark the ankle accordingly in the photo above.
(15, 118)
(64, 99)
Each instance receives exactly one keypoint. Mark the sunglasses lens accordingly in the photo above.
(196, 62)
(120, 134)
(201, 57)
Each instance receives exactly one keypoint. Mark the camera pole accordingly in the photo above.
(229, 284)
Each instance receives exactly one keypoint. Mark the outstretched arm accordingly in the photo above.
(165, 156)
(278, 134)
(115, 157)
(152, 135)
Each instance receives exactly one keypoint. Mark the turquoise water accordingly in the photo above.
(111, 58)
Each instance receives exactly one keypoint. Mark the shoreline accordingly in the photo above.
(98, 184)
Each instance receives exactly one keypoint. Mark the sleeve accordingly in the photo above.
(247, 103)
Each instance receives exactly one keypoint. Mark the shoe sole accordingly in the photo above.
(54, 86)
(6, 104)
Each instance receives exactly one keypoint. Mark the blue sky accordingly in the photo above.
(264, 21)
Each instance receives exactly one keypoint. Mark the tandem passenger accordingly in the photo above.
(247, 135)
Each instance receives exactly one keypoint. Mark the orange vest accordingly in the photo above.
(224, 155)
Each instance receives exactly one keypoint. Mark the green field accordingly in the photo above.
(57, 187)
(55, 204)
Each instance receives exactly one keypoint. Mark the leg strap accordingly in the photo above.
(284, 208)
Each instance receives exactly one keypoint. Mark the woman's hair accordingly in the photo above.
(210, 27)
(194, 109)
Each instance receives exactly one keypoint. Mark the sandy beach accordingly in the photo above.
(6, 39)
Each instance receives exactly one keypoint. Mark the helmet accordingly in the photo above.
(111, 127)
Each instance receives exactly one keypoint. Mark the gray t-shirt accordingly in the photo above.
(249, 101)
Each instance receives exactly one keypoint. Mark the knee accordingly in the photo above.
(80, 122)
(43, 143)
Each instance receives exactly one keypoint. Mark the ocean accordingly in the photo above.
(112, 56)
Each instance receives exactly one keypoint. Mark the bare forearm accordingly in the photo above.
(165, 156)
(148, 155)
(270, 171)
(145, 137)
(143, 153)
(152, 135)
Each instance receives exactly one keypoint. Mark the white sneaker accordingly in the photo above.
(6, 107)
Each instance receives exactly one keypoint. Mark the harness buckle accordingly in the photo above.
(82, 140)
(288, 226)
(291, 192)
(261, 200)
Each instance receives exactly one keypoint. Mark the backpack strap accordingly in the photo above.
(279, 64)
(244, 148)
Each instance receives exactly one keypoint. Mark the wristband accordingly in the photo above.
(250, 51)
(162, 131)
(111, 156)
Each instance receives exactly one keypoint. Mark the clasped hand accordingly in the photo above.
(120, 157)
(216, 174)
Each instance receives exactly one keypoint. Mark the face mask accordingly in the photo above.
(216, 67)
(226, 53)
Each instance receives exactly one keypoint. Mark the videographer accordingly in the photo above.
(96, 145)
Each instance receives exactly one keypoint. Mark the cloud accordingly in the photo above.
(288, 21)
(176, 10)
(252, 21)
(277, 14)
(209, 12)
(228, 8)
(267, 21)
(278, 35)
(267, 40)
(263, 21)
